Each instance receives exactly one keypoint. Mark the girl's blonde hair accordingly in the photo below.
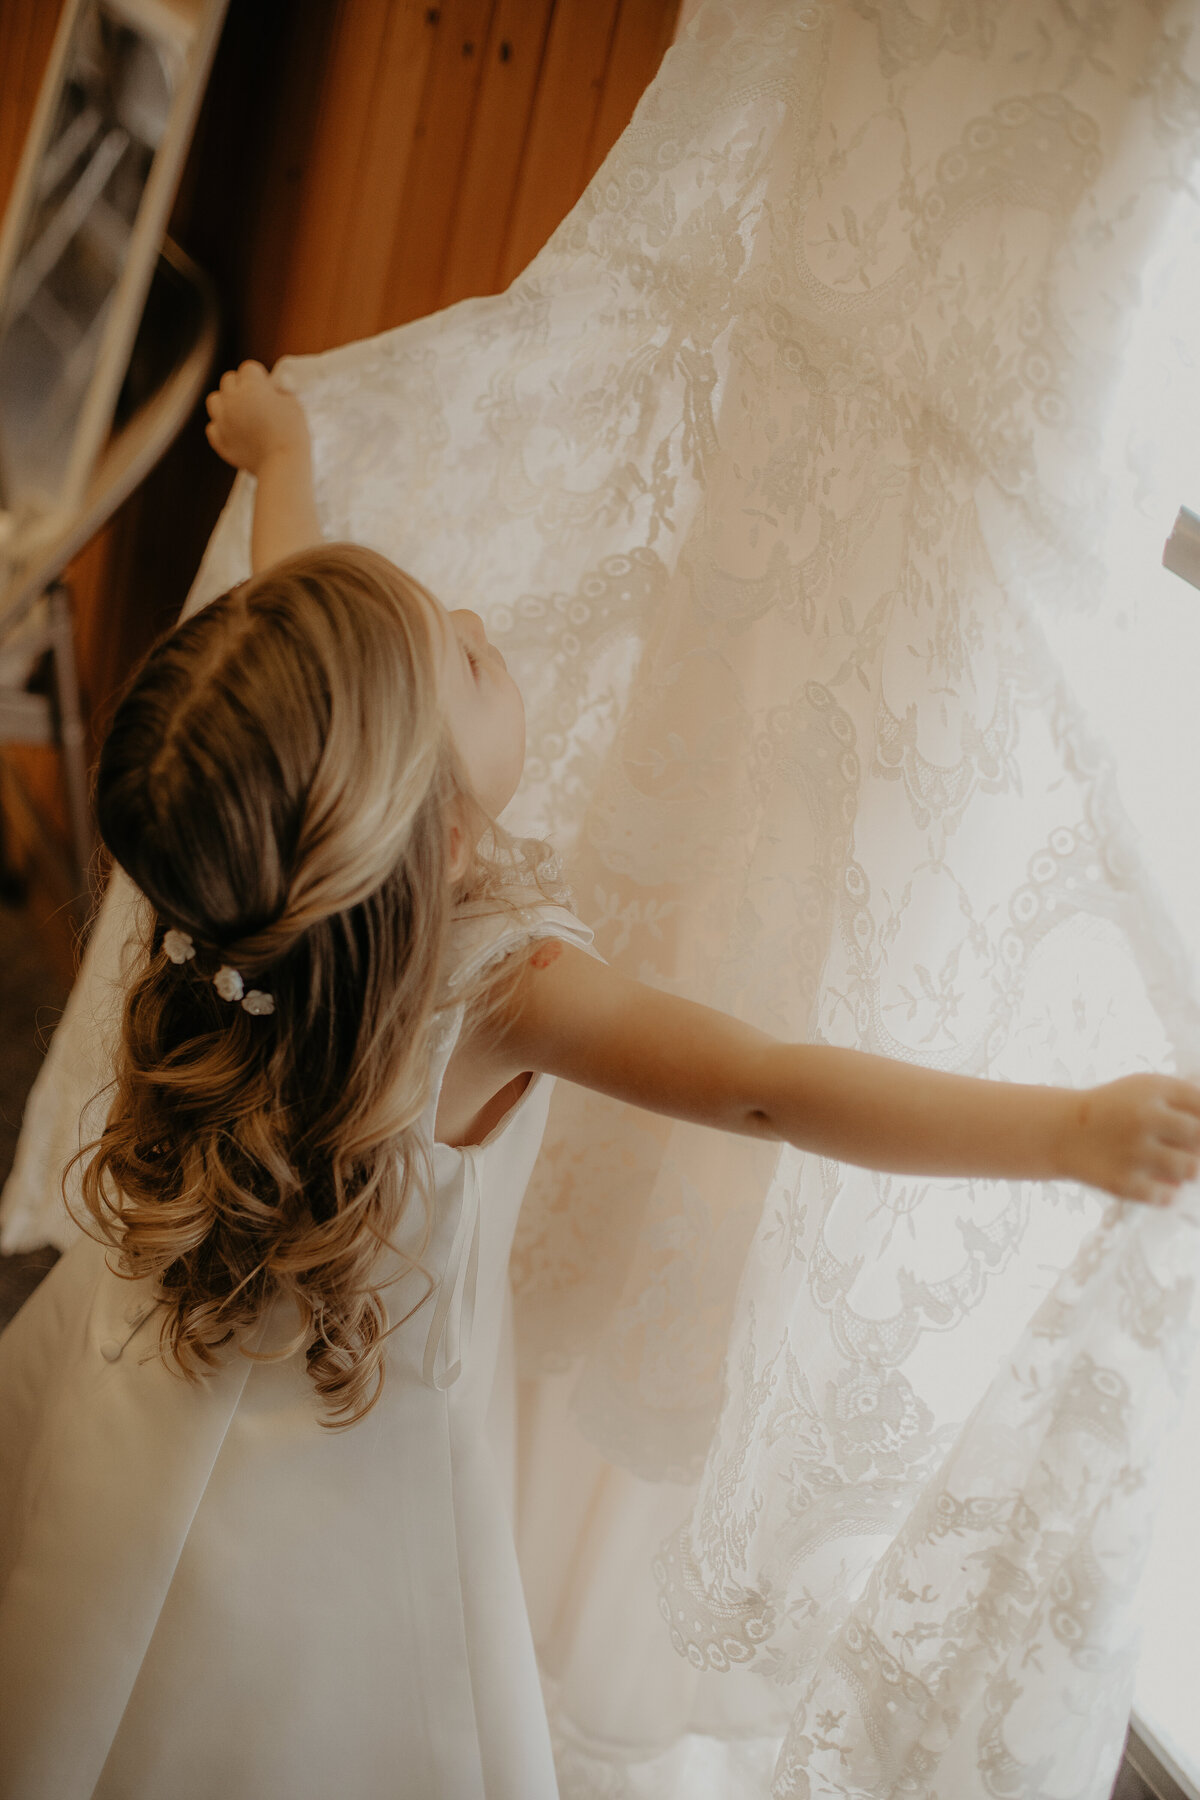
(276, 783)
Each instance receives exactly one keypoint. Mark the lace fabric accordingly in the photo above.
(787, 479)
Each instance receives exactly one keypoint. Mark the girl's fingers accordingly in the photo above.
(1174, 1167)
(1181, 1131)
(232, 377)
(1147, 1192)
(1184, 1096)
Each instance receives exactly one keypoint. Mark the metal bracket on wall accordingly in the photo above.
(1181, 552)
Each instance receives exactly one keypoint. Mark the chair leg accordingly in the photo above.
(70, 730)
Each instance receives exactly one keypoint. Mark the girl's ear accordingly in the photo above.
(460, 843)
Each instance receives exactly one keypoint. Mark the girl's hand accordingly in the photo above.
(1138, 1138)
(258, 426)
(252, 419)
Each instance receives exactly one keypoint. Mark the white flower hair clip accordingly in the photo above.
(228, 983)
(179, 948)
(230, 986)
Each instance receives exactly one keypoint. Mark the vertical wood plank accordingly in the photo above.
(483, 205)
(242, 202)
(27, 29)
(361, 145)
(391, 153)
(421, 242)
(642, 37)
(339, 129)
(564, 117)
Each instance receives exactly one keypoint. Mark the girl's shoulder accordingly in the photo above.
(485, 932)
(475, 1085)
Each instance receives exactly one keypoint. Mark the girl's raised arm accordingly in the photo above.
(572, 1016)
(259, 426)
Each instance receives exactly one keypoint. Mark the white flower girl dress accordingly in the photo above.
(203, 1592)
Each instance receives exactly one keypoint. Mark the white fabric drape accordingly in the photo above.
(810, 480)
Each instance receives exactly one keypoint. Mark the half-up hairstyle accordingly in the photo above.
(276, 783)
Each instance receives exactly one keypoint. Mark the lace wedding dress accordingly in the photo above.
(813, 480)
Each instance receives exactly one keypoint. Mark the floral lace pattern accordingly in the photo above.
(784, 477)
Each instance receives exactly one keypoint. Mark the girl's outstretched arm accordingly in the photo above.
(572, 1016)
(258, 426)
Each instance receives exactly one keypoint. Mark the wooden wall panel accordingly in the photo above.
(564, 116)
(446, 143)
(360, 144)
(643, 36)
(441, 134)
(484, 202)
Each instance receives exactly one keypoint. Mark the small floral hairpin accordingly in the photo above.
(230, 986)
(227, 981)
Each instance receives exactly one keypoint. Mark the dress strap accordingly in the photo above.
(486, 934)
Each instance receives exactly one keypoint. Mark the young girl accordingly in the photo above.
(253, 1538)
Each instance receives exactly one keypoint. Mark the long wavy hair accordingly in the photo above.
(276, 783)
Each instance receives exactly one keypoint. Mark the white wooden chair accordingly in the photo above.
(36, 623)
(82, 242)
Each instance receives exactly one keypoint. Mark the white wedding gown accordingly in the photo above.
(813, 480)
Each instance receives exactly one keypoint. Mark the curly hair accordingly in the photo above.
(276, 782)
